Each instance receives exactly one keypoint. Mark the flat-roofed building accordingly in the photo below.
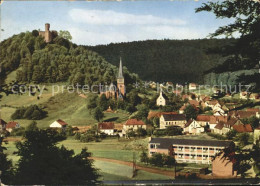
(188, 150)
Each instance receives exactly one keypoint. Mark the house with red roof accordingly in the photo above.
(107, 128)
(12, 125)
(224, 127)
(59, 124)
(243, 128)
(133, 124)
(203, 120)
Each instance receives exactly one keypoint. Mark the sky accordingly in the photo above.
(95, 23)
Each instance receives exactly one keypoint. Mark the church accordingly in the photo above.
(118, 91)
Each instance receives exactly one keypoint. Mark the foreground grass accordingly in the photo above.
(113, 171)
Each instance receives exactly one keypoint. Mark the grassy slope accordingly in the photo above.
(69, 107)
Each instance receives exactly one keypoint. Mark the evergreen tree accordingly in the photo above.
(43, 163)
(98, 114)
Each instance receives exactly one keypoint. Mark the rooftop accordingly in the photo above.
(166, 142)
(106, 125)
(134, 122)
(174, 117)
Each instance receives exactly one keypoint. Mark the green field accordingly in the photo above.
(112, 171)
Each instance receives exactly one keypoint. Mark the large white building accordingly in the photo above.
(172, 120)
(161, 100)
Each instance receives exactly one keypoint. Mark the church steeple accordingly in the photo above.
(120, 70)
(120, 81)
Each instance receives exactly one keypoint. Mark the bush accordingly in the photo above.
(77, 136)
(160, 132)
(160, 160)
(141, 132)
(87, 138)
(173, 131)
(18, 131)
(144, 157)
(156, 159)
(32, 112)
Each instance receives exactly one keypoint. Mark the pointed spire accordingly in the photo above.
(120, 71)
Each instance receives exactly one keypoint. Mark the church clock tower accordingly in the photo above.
(120, 81)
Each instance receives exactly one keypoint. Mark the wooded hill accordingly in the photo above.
(178, 61)
(59, 61)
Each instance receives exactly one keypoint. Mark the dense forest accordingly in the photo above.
(58, 61)
(178, 61)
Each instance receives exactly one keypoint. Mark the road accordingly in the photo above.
(247, 181)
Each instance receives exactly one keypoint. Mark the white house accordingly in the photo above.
(172, 120)
(193, 127)
(59, 124)
(133, 124)
(192, 86)
(107, 128)
(161, 100)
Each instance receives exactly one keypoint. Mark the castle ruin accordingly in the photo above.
(47, 34)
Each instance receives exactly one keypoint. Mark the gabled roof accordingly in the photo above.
(106, 125)
(158, 114)
(242, 113)
(11, 124)
(216, 119)
(188, 123)
(165, 143)
(2, 122)
(253, 109)
(174, 117)
(245, 114)
(203, 118)
(243, 128)
(163, 95)
(61, 122)
(231, 121)
(134, 122)
(220, 125)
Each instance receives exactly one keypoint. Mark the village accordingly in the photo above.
(130, 93)
(175, 133)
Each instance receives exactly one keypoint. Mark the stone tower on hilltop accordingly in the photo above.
(47, 34)
(120, 81)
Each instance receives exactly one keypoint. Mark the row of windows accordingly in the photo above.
(194, 148)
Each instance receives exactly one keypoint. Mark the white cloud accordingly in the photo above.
(108, 17)
(142, 32)
(93, 38)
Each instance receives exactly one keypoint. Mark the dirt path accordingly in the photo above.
(147, 169)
